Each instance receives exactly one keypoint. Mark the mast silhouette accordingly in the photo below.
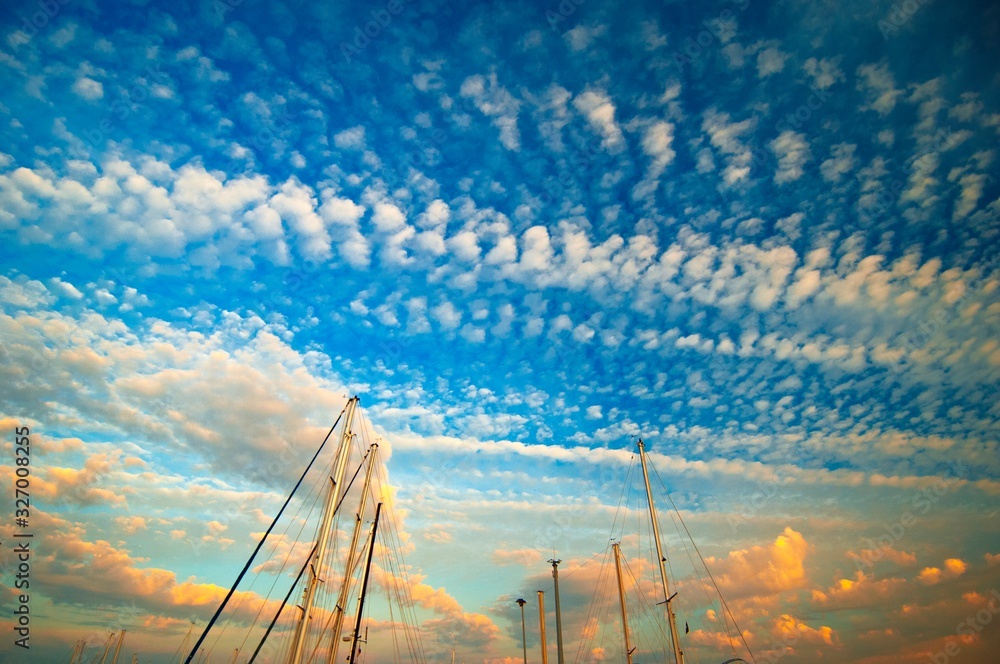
(667, 597)
(322, 540)
(621, 599)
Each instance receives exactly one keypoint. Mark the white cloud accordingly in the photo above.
(770, 61)
(582, 36)
(553, 114)
(878, 83)
(972, 185)
(66, 289)
(537, 250)
(840, 163)
(473, 334)
(726, 137)
(296, 204)
(465, 246)
(656, 142)
(388, 218)
(88, 88)
(824, 73)
(600, 113)
(447, 315)
(494, 101)
(342, 216)
(350, 139)
(792, 151)
(436, 215)
(504, 252)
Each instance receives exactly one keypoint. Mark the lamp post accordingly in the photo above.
(524, 644)
(541, 625)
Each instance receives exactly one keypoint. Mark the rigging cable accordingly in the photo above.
(315, 496)
(717, 589)
(401, 581)
(647, 612)
(284, 563)
(261, 543)
(591, 610)
(277, 575)
(302, 570)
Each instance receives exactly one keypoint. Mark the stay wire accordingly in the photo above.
(260, 544)
(599, 590)
(401, 584)
(710, 576)
(302, 570)
(315, 496)
(232, 615)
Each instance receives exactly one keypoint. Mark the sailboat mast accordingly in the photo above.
(345, 587)
(364, 586)
(337, 481)
(107, 648)
(77, 651)
(118, 648)
(621, 598)
(667, 597)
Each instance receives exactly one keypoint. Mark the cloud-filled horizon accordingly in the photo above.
(761, 237)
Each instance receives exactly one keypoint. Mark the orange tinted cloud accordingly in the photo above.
(861, 591)
(790, 630)
(763, 570)
(953, 567)
(80, 485)
(523, 557)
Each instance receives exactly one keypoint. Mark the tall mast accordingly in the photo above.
(118, 648)
(364, 586)
(345, 587)
(667, 597)
(107, 648)
(621, 598)
(323, 538)
(77, 651)
(541, 626)
(555, 579)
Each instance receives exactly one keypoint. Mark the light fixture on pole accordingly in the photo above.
(524, 643)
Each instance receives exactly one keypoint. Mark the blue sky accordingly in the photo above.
(763, 237)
